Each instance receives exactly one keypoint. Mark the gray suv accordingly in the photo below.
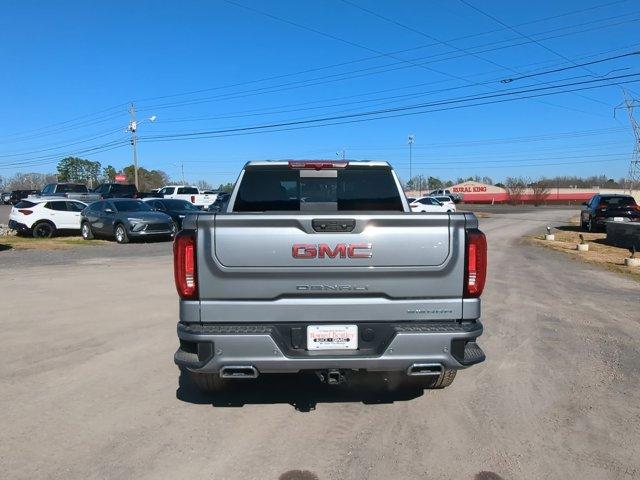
(124, 219)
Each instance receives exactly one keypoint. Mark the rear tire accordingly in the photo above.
(85, 231)
(121, 234)
(209, 382)
(43, 230)
(446, 379)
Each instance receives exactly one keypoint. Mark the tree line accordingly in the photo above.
(420, 182)
(92, 173)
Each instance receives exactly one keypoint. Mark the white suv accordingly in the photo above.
(42, 217)
(430, 204)
(446, 200)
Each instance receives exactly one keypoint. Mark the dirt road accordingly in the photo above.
(88, 388)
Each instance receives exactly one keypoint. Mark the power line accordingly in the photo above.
(634, 164)
(548, 72)
(448, 44)
(42, 160)
(371, 70)
(272, 129)
(409, 107)
(465, 37)
(528, 37)
(553, 164)
(273, 110)
(59, 146)
(520, 139)
(85, 139)
(618, 155)
(67, 123)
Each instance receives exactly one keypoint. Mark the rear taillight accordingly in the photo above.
(184, 264)
(475, 264)
(25, 212)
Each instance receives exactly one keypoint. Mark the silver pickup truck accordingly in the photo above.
(72, 191)
(321, 266)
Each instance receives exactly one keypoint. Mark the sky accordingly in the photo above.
(236, 80)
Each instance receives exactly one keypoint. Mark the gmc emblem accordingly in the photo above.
(322, 250)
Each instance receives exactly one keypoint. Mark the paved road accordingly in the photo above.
(88, 388)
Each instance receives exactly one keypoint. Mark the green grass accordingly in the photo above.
(56, 243)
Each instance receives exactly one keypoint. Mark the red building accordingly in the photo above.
(476, 192)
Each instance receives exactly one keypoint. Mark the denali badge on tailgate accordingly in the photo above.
(322, 250)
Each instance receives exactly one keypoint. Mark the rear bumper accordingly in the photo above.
(602, 221)
(20, 227)
(208, 348)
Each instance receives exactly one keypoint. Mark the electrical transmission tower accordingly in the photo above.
(634, 166)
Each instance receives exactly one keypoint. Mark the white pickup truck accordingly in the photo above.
(190, 194)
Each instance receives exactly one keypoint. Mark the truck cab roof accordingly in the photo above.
(320, 163)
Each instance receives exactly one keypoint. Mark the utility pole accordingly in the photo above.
(410, 139)
(634, 165)
(133, 126)
(181, 165)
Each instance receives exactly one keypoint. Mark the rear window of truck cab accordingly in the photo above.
(71, 188)
(280, 188)
(188, 191)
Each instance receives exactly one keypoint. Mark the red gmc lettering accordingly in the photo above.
(365, 250)
(303, 250)
(322, 250)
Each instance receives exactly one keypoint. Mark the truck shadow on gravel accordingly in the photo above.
(302, 391)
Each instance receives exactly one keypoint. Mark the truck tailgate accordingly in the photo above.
(243, 241)
(248, 272)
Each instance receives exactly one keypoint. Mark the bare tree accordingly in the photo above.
(30, 181)
(540, 191)
(204, 185)
(515, 187)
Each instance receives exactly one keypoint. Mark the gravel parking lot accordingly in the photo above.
(89, 389)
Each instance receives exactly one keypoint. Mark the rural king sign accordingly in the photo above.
(469, 189)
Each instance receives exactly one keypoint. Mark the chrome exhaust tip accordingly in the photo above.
(425, 369)
(239, 371)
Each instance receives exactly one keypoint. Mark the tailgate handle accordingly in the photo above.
(333, 225)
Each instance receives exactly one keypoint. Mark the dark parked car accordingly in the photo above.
(608, 207)
(176, 209)
(4, 198)
(17, 195)
(220, 205)
(117, 190)
(124, 219)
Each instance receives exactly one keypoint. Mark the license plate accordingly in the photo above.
(618, 219)
(332, 337)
